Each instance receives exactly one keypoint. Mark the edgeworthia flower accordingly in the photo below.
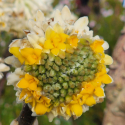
(19, 12)
(63, 66)
(3, 68)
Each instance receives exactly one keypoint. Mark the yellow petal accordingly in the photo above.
(62, 46)
(108, 60)
(106, 79)
(16, 53)
(68, 111)
(40, 109)
(84, 97)
(48, 44)
(2, 24)
(97, 46)
(26, 52)
(55, 51)
(69, 48)
(77, 109)
(48, 33)
(57, 28)
(30, 60)
(61, 54)
(23, 92)
(90, 101)
(37, 52)
(63, 37)
(99, 92)
(28, 100)
(33, 86)
(73, 40)
(28, 77)
(88, 89)
(23, 83)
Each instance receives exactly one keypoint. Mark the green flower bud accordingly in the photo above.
(62, 68)
(56, 103)
(41, 69)
(80, 78)
(86, 78)
(46, 88)
(73, 78)
(51, 57)
(40, 77)
(68, 99)
(82, 72)
(74, 58)
(65, 85)
(77, 51)
(65, 62)
(51, 97)
(58, 61)
(74, 72)
(76, 91)
(52, 73)
(61, 99)
(80, 59)
(55, 67)
(68, 56)
(40, 83)
(43, 61)
(51, 90)
(55, 79)
(45, 80)
(63, 92)
(60, 79)
(27, 68)
(77, 64)
(65, 77)
(72, 84)
(34, 67)
(44, 56)
(47, 66)
(87, 71)
(50, 63)
(94, 66)
(70, 91)
(56, 94)
(34, 73)
(91, 77)
(71, 63)
(47, 73)
(44, 76)
(57, 86)
(78, 84)
(50, 80)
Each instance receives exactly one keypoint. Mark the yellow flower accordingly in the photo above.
(96, 46)
(32, 56)
(28, 55)
(87, 93)
(28, 82)
(55, 39)
(74, 107)
(73, 41)
(40, 104)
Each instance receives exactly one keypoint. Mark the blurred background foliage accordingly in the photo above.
(107, 20)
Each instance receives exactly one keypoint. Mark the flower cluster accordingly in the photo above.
(3, 68)
(19, 12)
(60, 66)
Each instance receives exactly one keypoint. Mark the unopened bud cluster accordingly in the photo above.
(61, 78)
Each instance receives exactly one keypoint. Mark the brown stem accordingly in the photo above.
(115, 92)
(25, 117)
